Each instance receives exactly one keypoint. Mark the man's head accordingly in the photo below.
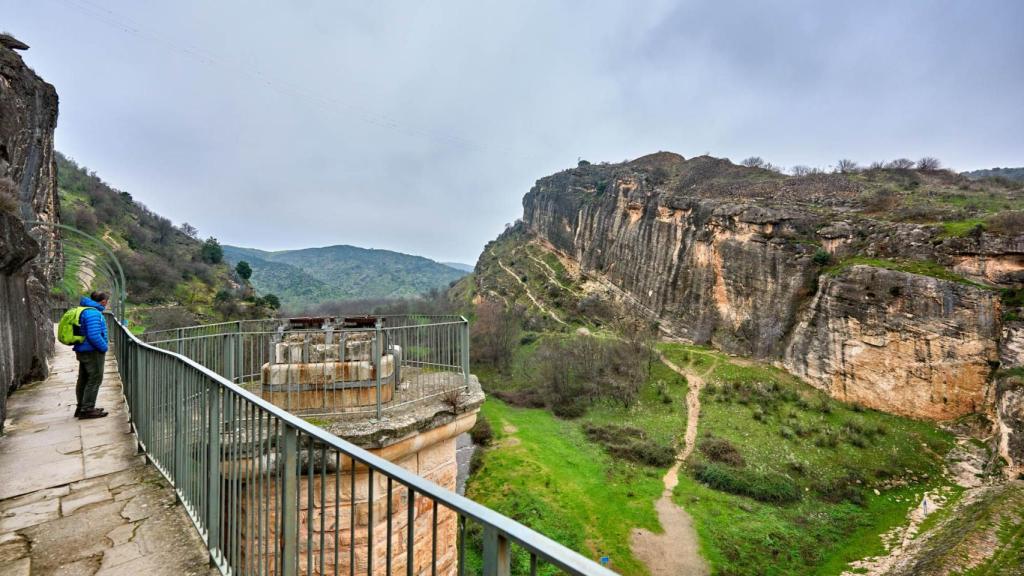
(100, 297)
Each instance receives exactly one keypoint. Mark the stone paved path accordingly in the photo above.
(75, 498)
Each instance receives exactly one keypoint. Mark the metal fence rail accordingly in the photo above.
(257, 482)
(414, 359)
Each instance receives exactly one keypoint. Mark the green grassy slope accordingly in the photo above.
(831, 455)
(169, 281)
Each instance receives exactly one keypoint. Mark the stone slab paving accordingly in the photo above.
(76, 498)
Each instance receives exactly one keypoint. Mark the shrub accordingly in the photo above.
(629, 443)
(528, 338)
(787, 432)
(476, 461)
(720, 450)
(829, 438)
(797, 466)
(481, 432)
(1009, 223)
(822, 257)
(211, 251)
(847, 488)
(524, 398)
(765, 486)
(643, 452)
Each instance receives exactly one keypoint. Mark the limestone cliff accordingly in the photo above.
(28, 264)
(852, 281)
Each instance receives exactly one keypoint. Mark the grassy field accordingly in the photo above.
(544, 473)
(824, 458)
(803, 500)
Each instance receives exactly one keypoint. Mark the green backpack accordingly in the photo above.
(68, 331)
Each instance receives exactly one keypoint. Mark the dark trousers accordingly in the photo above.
(90, 376)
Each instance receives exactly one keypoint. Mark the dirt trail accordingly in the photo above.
(549, 271)
(675, 552)
(530, 295)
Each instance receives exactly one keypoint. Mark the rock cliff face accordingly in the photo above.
(28, 266)
(28, 118)
(897, 316)
(903, 343)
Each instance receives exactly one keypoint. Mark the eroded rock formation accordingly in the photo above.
(897, 316)
(899, 342)
(28, 265)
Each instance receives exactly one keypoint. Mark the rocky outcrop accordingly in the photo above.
(713, 271)
(28, 265)
(899, 342)
(748, 261)
(28, 117)
(25, 333)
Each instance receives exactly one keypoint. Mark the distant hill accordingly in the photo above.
(1016, 174)
(459, 266)
(316, 275)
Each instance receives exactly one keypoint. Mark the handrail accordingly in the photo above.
(498, 530)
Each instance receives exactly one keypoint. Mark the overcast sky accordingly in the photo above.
(418, 126)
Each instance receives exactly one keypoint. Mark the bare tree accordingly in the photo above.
(494, 334)
(845, 166)
(753, 162)
(877, 165)
(800, 170)
(189, 230)
(900, 164)
(929, 163)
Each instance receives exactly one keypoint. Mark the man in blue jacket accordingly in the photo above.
(91, 355)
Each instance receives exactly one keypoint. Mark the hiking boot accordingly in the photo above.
(92, 413)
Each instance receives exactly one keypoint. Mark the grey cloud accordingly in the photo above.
(419, 126)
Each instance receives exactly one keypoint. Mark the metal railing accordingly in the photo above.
(272, 494)
(400, 362)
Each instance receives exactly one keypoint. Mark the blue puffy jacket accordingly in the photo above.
(93, 326)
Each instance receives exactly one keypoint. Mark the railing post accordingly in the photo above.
(377, 351)
(213, 504)
(179, 430)
(465, 351)
(229, 357)
(497, 555)
(289, 503)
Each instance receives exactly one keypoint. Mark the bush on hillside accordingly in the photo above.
(481, 432)
(211, 251)
(720, 450)
(765, 486)
(629, 443)
(1008, 223)
(524, 398)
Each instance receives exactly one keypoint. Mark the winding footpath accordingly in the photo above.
(530, 295)
(675, 552)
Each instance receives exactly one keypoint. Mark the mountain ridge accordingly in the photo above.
(310, 276)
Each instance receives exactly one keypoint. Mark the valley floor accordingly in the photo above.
(814, 486)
